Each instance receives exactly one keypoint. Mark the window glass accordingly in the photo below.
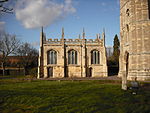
(72, 57)
(95, 57)
(52, 57)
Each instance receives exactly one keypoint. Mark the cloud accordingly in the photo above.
(37, 13)
(103, 4)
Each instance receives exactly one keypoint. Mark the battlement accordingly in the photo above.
(94, 40)
(67, 41)
(54, 41)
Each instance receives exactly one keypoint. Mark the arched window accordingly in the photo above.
(128, 12)
(52, 57)
(72, 57)
(127, 26)
(95, 57)
(127, 37)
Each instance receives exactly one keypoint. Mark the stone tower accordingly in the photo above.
(135, 39)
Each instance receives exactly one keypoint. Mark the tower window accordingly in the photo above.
(95, 57)
(127, 37)
(72, 57)
(127, 26)
(128, 12)
(52, 57)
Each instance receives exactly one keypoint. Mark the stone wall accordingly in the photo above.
(135, 38)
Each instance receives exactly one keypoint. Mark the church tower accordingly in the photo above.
(135, 39)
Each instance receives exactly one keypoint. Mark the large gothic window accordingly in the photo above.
(52, 57)
(95, 57)
(72, 57)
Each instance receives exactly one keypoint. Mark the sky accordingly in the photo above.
(74, 15)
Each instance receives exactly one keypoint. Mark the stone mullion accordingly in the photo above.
(55, 57)
(97, 57)
(93, 57)
(71, 57)
(49, 56)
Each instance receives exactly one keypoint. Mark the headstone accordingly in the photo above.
(134, 86)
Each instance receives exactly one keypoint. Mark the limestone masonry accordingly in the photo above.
(135, 39)
(79, 57)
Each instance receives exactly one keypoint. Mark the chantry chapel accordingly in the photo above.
(78, 57)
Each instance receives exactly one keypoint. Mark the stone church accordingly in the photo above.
(135, 39)
(79, 57)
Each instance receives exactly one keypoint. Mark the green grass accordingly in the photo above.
(11, 76)
(70, 97)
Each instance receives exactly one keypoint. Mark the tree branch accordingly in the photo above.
(3, 8)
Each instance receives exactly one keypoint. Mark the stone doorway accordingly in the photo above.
(50, 72)
(90, 72)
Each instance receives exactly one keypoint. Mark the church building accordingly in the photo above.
(79, 57)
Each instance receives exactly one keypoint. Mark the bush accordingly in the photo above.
(33, 72)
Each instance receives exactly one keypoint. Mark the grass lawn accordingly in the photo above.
(70, 97)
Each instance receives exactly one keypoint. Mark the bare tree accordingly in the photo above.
(28, 56)
(3, 8)
(8, 46)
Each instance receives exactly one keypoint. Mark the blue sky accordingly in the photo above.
(92, 15)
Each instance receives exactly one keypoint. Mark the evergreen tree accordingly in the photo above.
(116, 50)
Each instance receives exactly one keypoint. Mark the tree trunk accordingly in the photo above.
(3, 68)
(24, 71)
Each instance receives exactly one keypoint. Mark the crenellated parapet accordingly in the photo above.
(94, 41)
(80, 40)
(53, 41)
(75, 41)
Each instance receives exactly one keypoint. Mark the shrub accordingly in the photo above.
(33, 72)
